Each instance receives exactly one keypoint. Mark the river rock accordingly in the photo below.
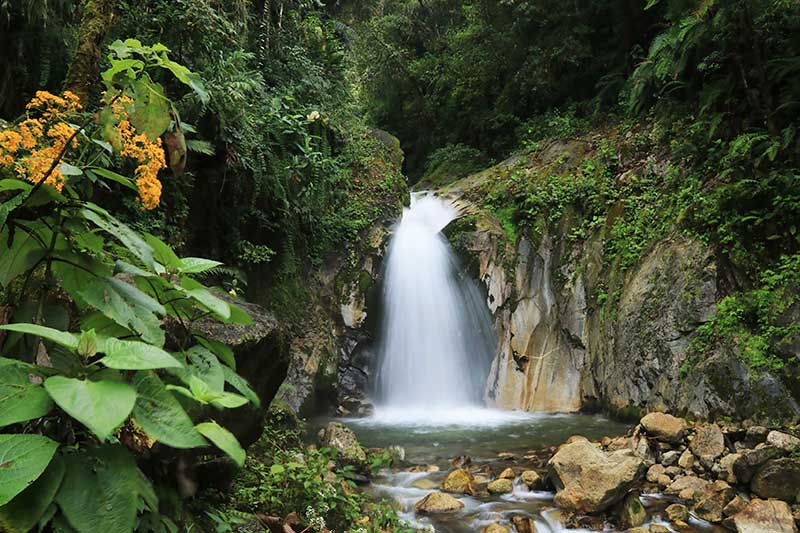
(424, 483)
(459, 481)
(495, 528)
(755, 435)
(500, 486)
(726, 467)
(632, 513)
(735, 506)
(713, 500)
(677, 512)
(341, 438)
(654, 472)
(686, 486)
(686, 460)
(523, 524)
(670, 458)
(438, 502)
(761, 516)
(589, 480)
(778, 478)
(708, 443)
(532, 479)
(783, 441)
(663, 426)
(508, 473)
(658, 528)
(750, 461)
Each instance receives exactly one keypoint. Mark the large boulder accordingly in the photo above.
(708, 443)
(500, 486)
(664, 427)
(589, 480)
(438, 502)
(459, 481)
(783, 441)
(342, 439)
(778, 478)
(749, 462)
(761, 516)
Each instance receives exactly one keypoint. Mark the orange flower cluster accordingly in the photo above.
(149, 154)
(43, 141)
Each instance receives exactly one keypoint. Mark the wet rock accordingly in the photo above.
(761, 516)
(749, 461)
(588, 480)
(425, 483)
(438, 502)
(735, 506)
(664, 481)
(523, 524)
(726, 467)
(342, 439)
(778, 478)
(664, 427)
(459, 481)
(670, 458)
(532, 479)
(658, 528)
(783, 441)
(500, 486)
(460, 461)
(495, 528)
(507, 456)
(677, 512)
(508, 473)
(637, 530)
(686, 486)
(708, 443)
(424, 468)
(631, 512)
(655, 472)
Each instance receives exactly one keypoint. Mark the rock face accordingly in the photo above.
(574, 331)
(761, 516)
(664, 427)
(438, 502)
(342, 439)
(589, 480)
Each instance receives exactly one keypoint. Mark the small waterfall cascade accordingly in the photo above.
(436, 339)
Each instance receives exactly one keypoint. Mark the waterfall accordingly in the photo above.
(436, 340)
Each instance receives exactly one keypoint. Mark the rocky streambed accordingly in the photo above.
(527, 475)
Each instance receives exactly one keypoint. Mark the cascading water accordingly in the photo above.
(436, 339)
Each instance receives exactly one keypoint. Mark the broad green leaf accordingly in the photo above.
(23, 458)
(123, 267)
(69, 170)
(20, 400)
(22, 254)
(127, 306)
(221, 350)
(238, 316)
(149, 112)
(129, 238)
(195, 265)
(101, 489)
(222, 439)
(134, 355)
(24, 511)
(202, 295)
(63, 338)
(128, 67)
(241, 385)
(113, 176)
(14, 185)
(161, 415)
(229, 400)
(277, 469)
(187, 77)
(203, 365)
(162, 251)
(9, 205)
(101, 406)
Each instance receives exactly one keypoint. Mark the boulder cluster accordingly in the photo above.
(746, 479)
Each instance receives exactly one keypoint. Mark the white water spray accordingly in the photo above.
(436, 339)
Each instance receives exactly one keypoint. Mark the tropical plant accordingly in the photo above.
(102, 359)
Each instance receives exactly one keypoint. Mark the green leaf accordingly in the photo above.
(101, 406)
(200, 294)
(241, 385)
(163, 252)
(238, 316)
(68, 340)
(229, 400)
(129, 238)
(195, 265)
(24, 511)
(128, 306)
(69, 170)
(220, 349)
(126, 67)
(9, 205)
(277, 469)
(87, 343)
(205, 366)
(21, 255)
(161, 415)
(187, 77)
(149, 113)
(101, 490)
(113, 176)
(222, 439)
(23, 458)
(20, 400)
(134, 355)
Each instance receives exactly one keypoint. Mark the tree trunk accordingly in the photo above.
(84, 71)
